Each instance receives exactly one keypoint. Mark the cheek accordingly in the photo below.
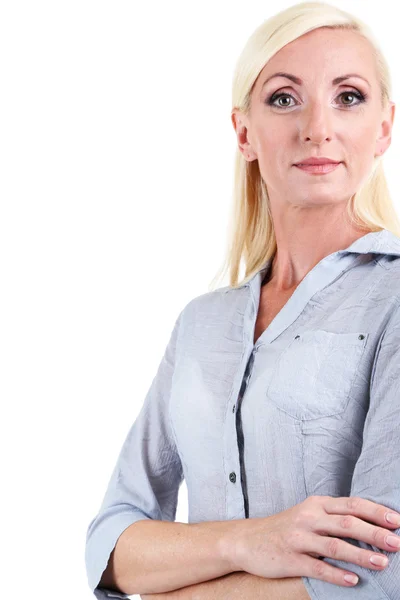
(361, 152)
(363, 138)
(274, 150)
(271, 137)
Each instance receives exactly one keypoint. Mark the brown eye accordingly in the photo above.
(276, 97)
(347, 95)
(353, 94)
(284, 97)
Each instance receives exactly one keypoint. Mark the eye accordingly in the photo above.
(352, 93)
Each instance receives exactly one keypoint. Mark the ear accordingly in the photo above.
(240, 124)
(385, 139)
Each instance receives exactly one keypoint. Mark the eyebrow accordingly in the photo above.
(298, 81)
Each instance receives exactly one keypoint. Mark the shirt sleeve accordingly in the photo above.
(146, 478)
(376, 475)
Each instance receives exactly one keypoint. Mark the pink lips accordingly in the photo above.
(320, 169)
(317, 160)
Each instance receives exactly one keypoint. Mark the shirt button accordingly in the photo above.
(232, 477)
(233, 409)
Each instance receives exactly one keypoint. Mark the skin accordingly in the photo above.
(308, 211)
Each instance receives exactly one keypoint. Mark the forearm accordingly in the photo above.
(157, 557)
(239, 586)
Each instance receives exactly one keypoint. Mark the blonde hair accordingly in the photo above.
(251, 233)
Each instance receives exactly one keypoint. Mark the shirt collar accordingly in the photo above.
(375, 242)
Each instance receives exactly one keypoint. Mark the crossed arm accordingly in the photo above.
(238, 586)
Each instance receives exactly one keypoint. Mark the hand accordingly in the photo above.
(282, 545)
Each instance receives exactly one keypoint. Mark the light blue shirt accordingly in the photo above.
(312, 408)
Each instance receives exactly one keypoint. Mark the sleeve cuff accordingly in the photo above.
(100, 543)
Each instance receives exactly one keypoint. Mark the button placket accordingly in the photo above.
(239, 430)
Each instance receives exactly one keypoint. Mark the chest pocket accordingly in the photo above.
(314, 374)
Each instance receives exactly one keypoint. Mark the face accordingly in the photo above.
(290, 121)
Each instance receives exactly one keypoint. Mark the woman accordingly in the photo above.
(277, 396)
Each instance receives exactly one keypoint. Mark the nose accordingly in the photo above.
(316, 124)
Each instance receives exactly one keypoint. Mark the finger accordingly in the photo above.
(362, 508)
(319, 569)
(331, 547)
(349, 526)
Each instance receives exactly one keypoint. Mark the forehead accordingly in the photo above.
(322, 53)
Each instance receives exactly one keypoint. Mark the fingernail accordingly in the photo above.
(379, 561)
(351, 578)
(393, 518)
(393, 541)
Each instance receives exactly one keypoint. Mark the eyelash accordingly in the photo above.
(359, 95)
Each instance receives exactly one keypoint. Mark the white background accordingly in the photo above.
(116, 180)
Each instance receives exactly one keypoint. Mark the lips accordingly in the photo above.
(314, 169)
(317, 161)
(315, 164)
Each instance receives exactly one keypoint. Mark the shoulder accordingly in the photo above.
(204, 303)
(215, 306)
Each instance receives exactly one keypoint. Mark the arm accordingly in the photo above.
(163, 557)
(376, 475)
(143, 486)
(239, 586)
(125, 557)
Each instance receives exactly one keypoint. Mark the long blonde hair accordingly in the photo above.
(251, 235)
